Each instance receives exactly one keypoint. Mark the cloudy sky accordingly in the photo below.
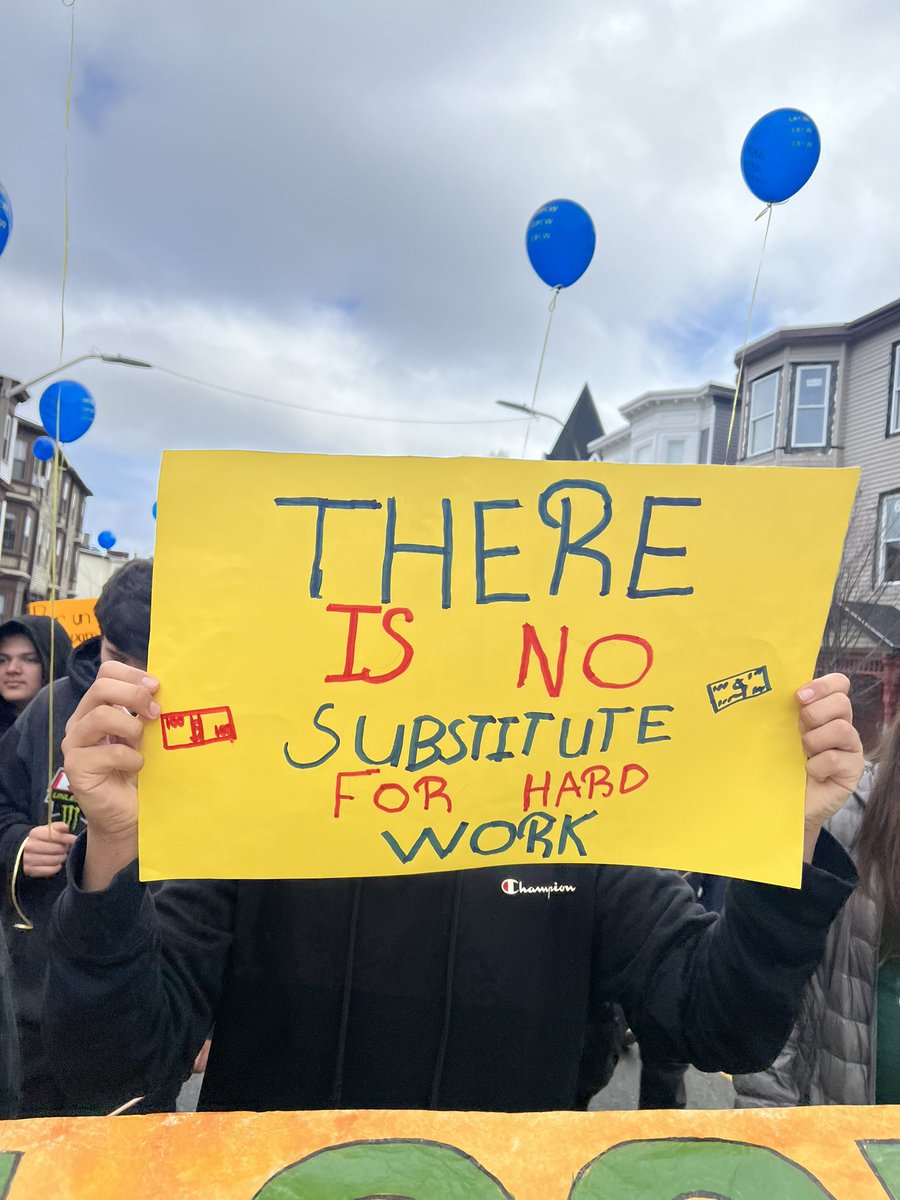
(325, 204)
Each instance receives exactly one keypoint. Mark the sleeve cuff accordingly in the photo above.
(831, 857)
(826, 885)
(98, 925)
(10, 843)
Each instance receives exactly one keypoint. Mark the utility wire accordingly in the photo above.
(330, 412)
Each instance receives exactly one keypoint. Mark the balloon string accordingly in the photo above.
(23, 924)
(767, 213)
(54, 542)
(54, 533)
(65, 263)
(537, 382)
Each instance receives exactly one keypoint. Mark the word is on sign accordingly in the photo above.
(786, 1154)
(472, 662)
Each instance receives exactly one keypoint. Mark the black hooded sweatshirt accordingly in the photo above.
(38, 630)
(23, 795)
(473, 990)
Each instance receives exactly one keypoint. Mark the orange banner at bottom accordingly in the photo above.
(766, 1154)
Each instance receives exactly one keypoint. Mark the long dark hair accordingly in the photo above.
(878, 849)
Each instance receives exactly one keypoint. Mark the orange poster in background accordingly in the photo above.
(76, 617)
(763, 1154)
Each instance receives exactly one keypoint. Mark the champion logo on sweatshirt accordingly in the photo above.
(515, 887)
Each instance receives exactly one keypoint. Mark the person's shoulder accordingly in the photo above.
(845, 825)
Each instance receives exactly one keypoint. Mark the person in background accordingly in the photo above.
(845, 1046)
(35, 838)
(25, 662)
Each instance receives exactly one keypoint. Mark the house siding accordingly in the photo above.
(865, 440)
(721, 421)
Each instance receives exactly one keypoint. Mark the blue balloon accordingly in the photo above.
(5, 219)
(42, 449)
(153, 510)
(106, 540)
(780, 154)
(560, 242)
(76, 410)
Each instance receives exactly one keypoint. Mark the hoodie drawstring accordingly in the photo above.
(338, 1083)
(448, 999)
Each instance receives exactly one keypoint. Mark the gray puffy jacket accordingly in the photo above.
(830, 1055)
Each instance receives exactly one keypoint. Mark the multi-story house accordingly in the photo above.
(26, 514)
(829, 396)
(677, 425)
(94, 567)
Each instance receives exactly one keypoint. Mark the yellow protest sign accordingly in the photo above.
(386, 666)
(76, 617)
(765, 1154)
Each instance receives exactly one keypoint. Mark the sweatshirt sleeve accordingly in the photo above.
(721, 992)
(143, 971)
(15, 800)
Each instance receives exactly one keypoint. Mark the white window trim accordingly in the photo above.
(751, 420)
(882, 542)
(894, 413)
(799, 368)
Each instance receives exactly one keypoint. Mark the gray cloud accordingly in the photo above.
(327, 204)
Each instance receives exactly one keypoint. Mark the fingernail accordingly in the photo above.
(149, 681)
(155, 710)
(806, 694)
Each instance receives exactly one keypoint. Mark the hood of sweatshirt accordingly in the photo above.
(39, 631)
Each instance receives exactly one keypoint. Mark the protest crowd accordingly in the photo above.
(421, 991)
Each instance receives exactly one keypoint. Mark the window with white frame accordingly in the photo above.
(20, 460)
(643, 454)
(10, 531)
(894, 404)
(889, 539)
(811, 403)
(676, 449)
(762, 414)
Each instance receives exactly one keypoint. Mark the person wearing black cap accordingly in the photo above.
(25, 662)
(34, 843)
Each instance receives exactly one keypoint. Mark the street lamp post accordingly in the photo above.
(534, 412)
(120, 359)
(8, 392)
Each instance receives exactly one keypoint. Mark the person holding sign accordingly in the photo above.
(463, 990)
